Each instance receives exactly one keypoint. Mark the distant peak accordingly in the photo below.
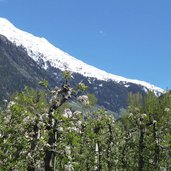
(5, 22)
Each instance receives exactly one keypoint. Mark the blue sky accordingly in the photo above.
(131, 38)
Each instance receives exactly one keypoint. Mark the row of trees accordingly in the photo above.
(39, 132)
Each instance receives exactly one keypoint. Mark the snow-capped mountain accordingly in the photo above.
(40, 49)
(26, 59)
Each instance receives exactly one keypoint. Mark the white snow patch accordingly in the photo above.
(127, 85)
(89, 81)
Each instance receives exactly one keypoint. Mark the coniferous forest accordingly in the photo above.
(40, 131)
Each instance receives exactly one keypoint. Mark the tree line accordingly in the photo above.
(41, 132)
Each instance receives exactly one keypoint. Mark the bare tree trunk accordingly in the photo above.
(63, 94)
(99, 157)
(156, 148)
(141, 148)
(123, 158)
(30, 168)
(49, 152)
(109, 149)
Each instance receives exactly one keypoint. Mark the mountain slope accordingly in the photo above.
(46, 54)
(26, 59)
(17, 69)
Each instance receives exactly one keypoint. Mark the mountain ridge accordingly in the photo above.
(37, 49)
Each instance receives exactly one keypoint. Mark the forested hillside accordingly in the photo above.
(42, 132)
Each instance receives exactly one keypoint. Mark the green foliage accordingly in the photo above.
(44, 83)
(82, 87)
(135, 100)
(67, 75)
(92, 99)
(40, 132)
